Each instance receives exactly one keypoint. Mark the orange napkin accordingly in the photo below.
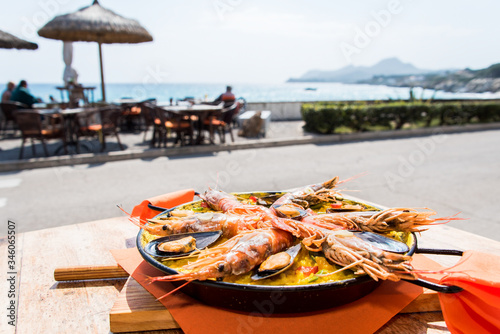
(166, 201)
(365, 315)
(477, 308)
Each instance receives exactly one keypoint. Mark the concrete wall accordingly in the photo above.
(279, 110)
(291, 110)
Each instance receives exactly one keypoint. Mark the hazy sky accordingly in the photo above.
(239, 41)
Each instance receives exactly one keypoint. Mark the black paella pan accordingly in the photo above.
(285, 299)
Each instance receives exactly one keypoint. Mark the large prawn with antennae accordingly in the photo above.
(283, 207)
(238, 255)
(393, 219)
(294, 204)
(229, 224)
(347, 250)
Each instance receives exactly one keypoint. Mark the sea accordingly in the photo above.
(281, 92)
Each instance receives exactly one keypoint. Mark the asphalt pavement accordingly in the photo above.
(448, 172)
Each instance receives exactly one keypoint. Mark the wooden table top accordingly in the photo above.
(47, 306)
(191, 108)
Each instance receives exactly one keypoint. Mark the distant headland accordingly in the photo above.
(393, 72)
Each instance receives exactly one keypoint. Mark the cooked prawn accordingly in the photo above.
(394, 219)
(345, 249)
(238, 255)
(227, 203)
(294, 204)
(229, 224)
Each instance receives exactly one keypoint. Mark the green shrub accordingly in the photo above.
(327, 117)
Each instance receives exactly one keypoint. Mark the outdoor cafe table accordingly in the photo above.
(71, 125)
(47, 306)
(202, 111)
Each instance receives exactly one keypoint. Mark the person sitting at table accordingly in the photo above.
(228, 98)
(23, 95)
(8, 92)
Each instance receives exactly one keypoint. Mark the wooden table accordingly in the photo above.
(46, 306)
(71, 127)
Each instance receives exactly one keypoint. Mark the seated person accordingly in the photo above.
(228, 98)
(8, 92)
(23, 95)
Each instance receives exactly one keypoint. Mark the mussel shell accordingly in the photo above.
(203, 240)
(292, 251)
(269, 199)
(382, 242)
(302, 213)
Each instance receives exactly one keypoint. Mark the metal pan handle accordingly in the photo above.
(435, 286)
(160, 209)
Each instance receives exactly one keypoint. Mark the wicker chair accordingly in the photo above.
(100, 122)
(221, 122)
(149, 115)
(9, 110)
(167, 122)
(31, 126)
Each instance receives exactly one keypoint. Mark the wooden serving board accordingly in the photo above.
(137, 310)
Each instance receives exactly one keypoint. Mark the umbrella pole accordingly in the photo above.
(102, 74)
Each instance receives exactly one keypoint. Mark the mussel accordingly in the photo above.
(382, 242)
(269, 199)
(178, 245)
(277, 263)
(290, 210)
(184, 245)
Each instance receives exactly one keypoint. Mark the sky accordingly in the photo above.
(257, 41)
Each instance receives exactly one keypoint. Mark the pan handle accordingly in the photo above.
(435, 286)
(439, 251)
(160, 209)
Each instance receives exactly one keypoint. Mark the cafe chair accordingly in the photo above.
(222, 123)
(31, 126)
(133, 118)
(101, 122)
(9, 109)
(167, 122)
(148, 116)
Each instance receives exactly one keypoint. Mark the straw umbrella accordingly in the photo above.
(95, 24)
(8, 41)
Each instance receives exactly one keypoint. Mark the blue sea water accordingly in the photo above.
(257, 92)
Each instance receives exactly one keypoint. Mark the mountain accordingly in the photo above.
(353, 74)
(463, 81)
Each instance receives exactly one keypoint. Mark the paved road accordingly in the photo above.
(448, 173)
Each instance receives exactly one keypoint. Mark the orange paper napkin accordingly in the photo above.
(166, 201)
(477, 308)
(365, 315)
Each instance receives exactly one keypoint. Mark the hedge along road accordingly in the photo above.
(449, 173)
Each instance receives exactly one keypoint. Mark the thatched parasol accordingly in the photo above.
(8, 41)
(95, 24)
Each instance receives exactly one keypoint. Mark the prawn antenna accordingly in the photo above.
(174, 290)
